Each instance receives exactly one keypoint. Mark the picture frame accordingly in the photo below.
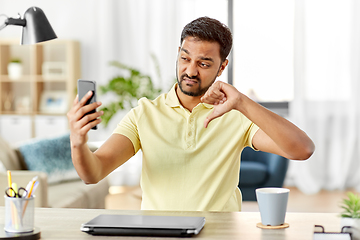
(53, 102)
(54, 70)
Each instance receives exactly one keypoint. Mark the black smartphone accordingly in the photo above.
(84, 86)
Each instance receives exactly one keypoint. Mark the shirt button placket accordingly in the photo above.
(191, 133)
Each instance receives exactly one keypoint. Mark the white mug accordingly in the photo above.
(272, 205)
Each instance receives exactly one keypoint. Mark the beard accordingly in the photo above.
(197, 92)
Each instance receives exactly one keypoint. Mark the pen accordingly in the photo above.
(9, 182)
(28, 196)
(15, 188)
(28, 186)
(14, 215)
(35, 187)
(13, 207)
(31, 189)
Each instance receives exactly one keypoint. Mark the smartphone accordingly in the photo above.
(84, 86)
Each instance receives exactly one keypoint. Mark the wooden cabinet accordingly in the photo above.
(45, 85)
(15, 128)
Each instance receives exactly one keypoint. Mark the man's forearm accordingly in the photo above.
(86, 164)
(276, 134)
(288, 137)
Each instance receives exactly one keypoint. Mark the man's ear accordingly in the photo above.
(222, 67)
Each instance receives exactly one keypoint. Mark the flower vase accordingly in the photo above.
(14, 71)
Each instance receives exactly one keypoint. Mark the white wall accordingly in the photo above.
(70, 20)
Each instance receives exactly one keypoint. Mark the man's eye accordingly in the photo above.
(184, 58)
(204, 65)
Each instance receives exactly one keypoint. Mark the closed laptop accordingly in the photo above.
(144, 225)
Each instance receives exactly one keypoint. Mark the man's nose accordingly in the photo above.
(192, 70)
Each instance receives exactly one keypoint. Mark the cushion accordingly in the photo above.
(2, 168)
(79, 195)
(8, 157)
(252, 173)
(52, 156)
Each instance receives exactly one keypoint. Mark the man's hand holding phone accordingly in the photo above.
(83, 117)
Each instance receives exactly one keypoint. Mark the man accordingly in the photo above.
(192, 137)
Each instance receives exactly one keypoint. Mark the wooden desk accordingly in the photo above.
(65, 224)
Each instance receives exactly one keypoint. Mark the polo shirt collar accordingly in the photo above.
(172, 99)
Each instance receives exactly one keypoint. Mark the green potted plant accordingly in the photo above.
(351, 214)
(127, 89)
(15, 69)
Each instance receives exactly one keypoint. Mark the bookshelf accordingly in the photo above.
(34, 101)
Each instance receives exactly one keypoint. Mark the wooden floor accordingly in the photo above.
(325, 201)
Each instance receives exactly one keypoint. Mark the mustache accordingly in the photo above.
(187, 76)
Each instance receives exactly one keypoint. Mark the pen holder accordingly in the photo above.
(19, 214)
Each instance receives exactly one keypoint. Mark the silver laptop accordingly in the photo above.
(144, 225)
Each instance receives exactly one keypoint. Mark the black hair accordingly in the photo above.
(212, 30)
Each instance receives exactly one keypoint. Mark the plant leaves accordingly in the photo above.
(127, 90)
(351, 206)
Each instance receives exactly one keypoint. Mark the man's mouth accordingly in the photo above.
(190, 81)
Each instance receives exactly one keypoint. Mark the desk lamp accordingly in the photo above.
(36, 27)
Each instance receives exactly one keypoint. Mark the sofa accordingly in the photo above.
(260, 169)
(50, 160)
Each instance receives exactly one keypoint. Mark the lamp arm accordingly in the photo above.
(3, 25)
(15, 21)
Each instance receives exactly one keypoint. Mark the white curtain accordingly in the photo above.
(327, 93)
(130, 31)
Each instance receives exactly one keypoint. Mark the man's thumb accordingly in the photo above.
(211, 116)
(206, 122)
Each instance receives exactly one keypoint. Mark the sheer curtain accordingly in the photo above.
(326, 99)
(131, 31)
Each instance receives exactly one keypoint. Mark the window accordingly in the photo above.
(263, 49)
(217, 9)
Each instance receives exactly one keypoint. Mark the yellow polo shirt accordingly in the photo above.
(187, 167)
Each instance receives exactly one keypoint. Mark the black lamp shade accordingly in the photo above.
(37, 28)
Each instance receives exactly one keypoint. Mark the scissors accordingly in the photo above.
(10, 192)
